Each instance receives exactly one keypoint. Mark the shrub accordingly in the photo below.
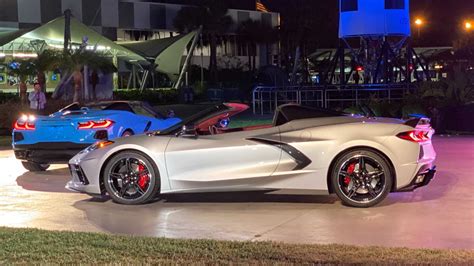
(154, 97)
(6, 97)
(10, 111)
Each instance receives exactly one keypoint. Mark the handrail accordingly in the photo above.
(266, 98)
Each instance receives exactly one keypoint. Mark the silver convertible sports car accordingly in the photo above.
(361, 159)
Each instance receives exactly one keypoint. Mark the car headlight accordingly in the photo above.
(99, 145)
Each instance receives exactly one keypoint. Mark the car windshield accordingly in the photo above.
(146, 109)
(141, 108)
(195, 119)
(77, 107)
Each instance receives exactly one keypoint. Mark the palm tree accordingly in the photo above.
(47, 60)
(212, 15)
(22, 69)
(74, 63)
(254, 33)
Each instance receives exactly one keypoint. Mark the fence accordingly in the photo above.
(265, 99)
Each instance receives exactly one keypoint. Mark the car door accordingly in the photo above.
(222, 160)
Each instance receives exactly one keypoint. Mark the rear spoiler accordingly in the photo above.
(419, 121)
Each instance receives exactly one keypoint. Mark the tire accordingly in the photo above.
(121, 177)
(34, 167)
(364, 187)
(127, 133)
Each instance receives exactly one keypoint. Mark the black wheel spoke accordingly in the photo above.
(128, 165)
(361, 164)
(372, 192)
(124, 189)
(139, 189)
(352, 191)
(116, 176)
(376, 173)
(344, 173)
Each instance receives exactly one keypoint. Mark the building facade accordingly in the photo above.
(124, 20)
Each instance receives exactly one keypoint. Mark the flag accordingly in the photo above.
(260, 7)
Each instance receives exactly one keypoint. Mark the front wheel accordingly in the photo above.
(361, 178)
(35, 167)
(131, 178)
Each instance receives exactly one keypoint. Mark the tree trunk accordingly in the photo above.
(254, 56)
(77, 77)
(213, 59)
(250, 57)
(295, 65)
(23, 94)
(41, 78)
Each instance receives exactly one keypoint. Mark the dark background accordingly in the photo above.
(443, 19)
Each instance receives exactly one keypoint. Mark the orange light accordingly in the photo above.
(468, 25)
(418, 21)
(105, 143)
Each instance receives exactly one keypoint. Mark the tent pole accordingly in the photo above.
(188, 57)
(67, 29)
(202, 61)
(134, 74)
(86, 84)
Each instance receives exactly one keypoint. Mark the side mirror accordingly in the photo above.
(188, 131)
(170, 113)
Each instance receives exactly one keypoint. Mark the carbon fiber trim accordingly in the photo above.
(301, 160)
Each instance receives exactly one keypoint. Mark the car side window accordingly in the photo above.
(142, 111)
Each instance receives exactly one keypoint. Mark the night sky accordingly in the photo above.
(443, 18)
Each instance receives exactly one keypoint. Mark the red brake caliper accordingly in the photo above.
(143, 178)
(350, 170)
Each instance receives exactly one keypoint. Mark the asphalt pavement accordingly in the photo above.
(440, 215)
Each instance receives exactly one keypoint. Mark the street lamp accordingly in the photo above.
(418, 22)
(468, 25)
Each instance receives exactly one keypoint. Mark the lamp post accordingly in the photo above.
(418, 23)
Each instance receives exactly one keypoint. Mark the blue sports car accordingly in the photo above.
(43, 140)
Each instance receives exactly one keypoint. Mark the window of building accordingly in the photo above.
(349, 5)
(394, 4)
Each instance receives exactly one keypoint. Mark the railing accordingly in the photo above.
(265, 99)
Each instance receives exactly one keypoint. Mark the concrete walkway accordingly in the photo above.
(438, 216)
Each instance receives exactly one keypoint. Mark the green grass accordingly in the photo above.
(29, 246)
(5, 141)
(246, 122)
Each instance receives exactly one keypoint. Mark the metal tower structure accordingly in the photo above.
(375, 38)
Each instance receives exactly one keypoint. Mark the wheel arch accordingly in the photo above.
(341, 153)
(112, 155)
(127, 129)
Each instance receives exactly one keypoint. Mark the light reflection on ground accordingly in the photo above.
(438, 216)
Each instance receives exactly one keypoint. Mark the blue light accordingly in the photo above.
(374, 17)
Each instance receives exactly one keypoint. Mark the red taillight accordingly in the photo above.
(95, 124)
(415, 136)
(24, 126)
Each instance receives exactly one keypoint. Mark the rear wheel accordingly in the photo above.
(35, 167)
(127, 133)
(361, 178)
(131, 178)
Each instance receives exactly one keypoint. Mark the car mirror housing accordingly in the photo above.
(188, 131)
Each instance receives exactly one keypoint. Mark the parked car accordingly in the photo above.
(361, 159)
(39, 141)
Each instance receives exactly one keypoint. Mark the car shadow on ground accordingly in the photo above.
(232, 197)
(48, 181)
(175, 211)
(436, 189)
(253, 196)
